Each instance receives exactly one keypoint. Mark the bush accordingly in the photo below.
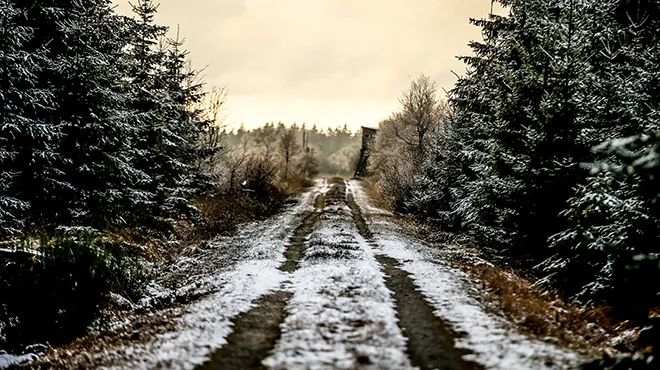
(223, 213)
(54, 295)
(259, 178)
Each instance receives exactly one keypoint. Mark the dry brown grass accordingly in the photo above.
(294, 186)
(540, 313)
(223, 213)
(372, 190)
(589, 330)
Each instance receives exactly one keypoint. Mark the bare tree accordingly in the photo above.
(288, 147)
(420, 114)
(234, 160)
(405, 136)
(213, 111)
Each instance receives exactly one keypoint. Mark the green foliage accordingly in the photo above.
(54, 294)
(100, 119)
(549, 159)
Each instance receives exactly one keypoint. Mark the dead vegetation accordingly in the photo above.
(90, 351)
(589, 330)
(371, 189)
(543, 314)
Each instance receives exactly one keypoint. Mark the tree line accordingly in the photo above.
(333, 150)
(101, 123)
(546, 154)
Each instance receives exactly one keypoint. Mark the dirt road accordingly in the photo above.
(331, 283)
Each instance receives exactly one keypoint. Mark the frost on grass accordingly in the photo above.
(492, 341)
(195, 272)
(341, 315)
(206, 323)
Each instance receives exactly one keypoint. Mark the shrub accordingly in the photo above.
(259, 178)
(223, 213)
(55, 294)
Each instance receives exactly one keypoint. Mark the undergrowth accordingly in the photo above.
(54, 293)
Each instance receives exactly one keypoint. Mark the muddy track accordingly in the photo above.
(256, 331)
(430, 341)
(254, 336)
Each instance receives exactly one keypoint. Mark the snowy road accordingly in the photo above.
(331, 283)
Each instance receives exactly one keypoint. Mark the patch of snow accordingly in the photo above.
(365, 201)
(321, 187)
(492, 341)
(20, 250)
(206, 323)
(7, 360)
(341, 314)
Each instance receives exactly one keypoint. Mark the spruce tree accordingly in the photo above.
(26, 140)
(519, 104)
(98, 136)
(145, 87)
(94, 181)
(613, 218)
(176, 155)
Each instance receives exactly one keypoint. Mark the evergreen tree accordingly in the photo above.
(519, 104)
(176, 154)
(26, 140)
(98, 137)
(145, 84)
(614, 218)
(94, 178)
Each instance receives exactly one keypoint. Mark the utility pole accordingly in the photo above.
(305, 139)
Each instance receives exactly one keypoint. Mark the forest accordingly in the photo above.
(115, 155)
(336, 149)
(546, 154)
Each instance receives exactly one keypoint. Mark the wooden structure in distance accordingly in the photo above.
(368, 144)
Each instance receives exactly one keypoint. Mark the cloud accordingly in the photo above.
(322, 61)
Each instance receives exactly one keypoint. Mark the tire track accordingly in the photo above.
(256, 331)
(430, 341)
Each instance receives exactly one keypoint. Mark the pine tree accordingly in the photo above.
(26, 141)
(434, 193)
(474, 103)
(93, 182)
(145, 83)
(614, 217)
(519, 104)
(98, 137)
(175, 156)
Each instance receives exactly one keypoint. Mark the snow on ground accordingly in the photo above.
(492, 341)
(354, 187)
(321, 186)
(341, 313)
(7, 361)
(207, 322)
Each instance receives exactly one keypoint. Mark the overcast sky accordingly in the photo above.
(327, 62)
